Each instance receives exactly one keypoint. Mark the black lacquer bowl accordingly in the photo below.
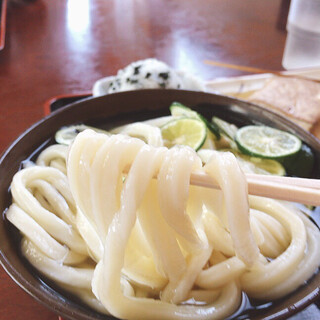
(107, 112)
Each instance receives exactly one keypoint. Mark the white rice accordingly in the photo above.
(147, 74)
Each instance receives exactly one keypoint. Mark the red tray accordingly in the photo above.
(62, 100)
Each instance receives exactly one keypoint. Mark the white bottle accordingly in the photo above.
(302, 49)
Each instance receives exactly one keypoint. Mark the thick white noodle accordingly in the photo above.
(220, 274)
(225, 169)
(32, 230)
(54, 156)
(139, 263)
(143, 248)
(173, 186)
(258, 281)
(217, 234)
(99, 204)
(108, 271)
(55, 270)
(90, 236)
(149, 133)
(165, 248)
(55, 226)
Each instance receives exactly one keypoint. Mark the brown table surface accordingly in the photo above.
(55, 47)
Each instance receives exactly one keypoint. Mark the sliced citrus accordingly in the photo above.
(267, 142)
(225, 127)
(67, 134)
(184, 131)
(178, 109)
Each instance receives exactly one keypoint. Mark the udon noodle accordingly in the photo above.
(95, 220)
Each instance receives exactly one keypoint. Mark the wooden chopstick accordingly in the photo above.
(305, 191)
(253, 70)
(301, 182)
(240, 68)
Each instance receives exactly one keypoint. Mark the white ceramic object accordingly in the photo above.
(302, 48)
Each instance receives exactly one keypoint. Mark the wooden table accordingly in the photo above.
(62, 47)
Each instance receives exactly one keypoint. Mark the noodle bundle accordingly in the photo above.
(95, 220)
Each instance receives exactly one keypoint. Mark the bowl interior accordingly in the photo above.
(107, 112)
